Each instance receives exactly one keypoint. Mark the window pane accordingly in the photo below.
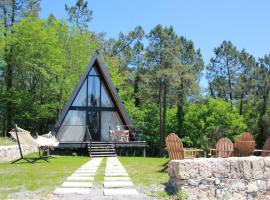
(93, 122)
(75, 117)
(105, 99)
(73, 127)
(109, 120)
(93, 91)
(93, 71)
(80, 99)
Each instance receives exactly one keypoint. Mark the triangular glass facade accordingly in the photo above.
(92, 107)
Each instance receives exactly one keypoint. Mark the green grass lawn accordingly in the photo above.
(145, 175)
(24, 180)
(4, 141)
(31, 181)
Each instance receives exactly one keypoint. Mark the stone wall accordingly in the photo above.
(221, 178)
(12, 152)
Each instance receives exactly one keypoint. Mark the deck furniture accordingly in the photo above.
(265, 151)
(244, 145)
(119, 135)
(177, 151)
(224, 148)
(42, 143)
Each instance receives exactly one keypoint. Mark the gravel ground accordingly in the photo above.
(97, 194)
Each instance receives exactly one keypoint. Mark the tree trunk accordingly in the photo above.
(161, 119)
(180, 109)
(136, 90)
(164, 111)
(229, 81)
(241, 102)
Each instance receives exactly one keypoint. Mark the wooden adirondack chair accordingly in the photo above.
(174, 147)
(244, 145)
(266, 147)
(224, 147)
(176, 150)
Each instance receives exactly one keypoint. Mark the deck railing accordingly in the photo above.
(133, 135)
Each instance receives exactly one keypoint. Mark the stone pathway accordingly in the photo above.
(117, 184)
(116, 180)
(81, 181)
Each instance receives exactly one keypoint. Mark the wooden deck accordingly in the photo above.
(130, 144)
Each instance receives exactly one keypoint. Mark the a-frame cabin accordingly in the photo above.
(94, 111)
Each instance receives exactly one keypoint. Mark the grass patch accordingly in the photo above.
(5, 141)
(145, 174)
(99, 177)
(25, 180)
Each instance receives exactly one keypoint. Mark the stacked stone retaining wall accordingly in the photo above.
(221, 178)
(11, 152)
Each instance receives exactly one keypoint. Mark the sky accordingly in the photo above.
(207, 23)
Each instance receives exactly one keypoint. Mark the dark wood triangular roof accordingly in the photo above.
(100, 67)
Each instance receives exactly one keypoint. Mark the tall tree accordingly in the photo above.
(161, 56)
(223, 69)
(10, 12)
(244, 83)
(79, 14)
(189, 73)
(263, 90)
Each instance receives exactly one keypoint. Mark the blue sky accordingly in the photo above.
(207, 23)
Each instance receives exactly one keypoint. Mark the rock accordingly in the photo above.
(221, 168)
(252, 187)
(238, 196)
(205, 169)
(257, 168)
(187, 169)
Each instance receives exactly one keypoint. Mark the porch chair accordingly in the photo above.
(24, 137)
(265, 151)
(176, 150)
(244, 145)
(224, 148)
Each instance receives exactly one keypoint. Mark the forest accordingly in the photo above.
(157, 75)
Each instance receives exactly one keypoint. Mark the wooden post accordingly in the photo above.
(144, 153)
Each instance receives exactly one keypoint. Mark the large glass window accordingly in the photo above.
(109, 120)
(94, 125)
(93, 91)
(105, 98)
(93, 71)
(81, 98)
(73, 127)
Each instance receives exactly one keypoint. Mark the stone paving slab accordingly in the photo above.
(120, 191)
(85, 171)
(80, 178)
(117, 184)
(82, 175)
(115, 171)
(88, 168)
(116, 178)
(116, 174)
(77, 184)
(72, 191)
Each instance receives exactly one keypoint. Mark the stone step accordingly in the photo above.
(72, 191)
(116, 178)
(80, 178)
(74, 184)
(117, 184)
(116, 174)
(82, 175)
